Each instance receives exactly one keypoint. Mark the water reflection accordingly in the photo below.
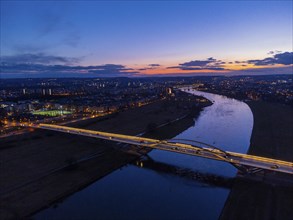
(205, 179)
(135, 193)
(227, 124)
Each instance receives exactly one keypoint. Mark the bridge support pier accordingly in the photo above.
(241, 168)
(246, 169)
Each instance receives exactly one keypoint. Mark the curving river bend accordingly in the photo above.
(136, 193)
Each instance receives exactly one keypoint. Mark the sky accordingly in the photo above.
(145, 38)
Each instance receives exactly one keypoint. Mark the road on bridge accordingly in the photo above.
(243, 162)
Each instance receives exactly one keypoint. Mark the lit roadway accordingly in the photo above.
(243, 162)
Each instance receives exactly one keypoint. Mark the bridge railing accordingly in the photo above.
(197, 148)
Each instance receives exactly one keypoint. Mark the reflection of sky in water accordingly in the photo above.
(227, 124)
(136, 193)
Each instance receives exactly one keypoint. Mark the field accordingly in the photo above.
(52, 113)
(39, 168)
(272, 137)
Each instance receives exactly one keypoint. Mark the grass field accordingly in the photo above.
(27, 161)
(272, 136)
(52, 113)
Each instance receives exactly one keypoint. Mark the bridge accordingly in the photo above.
(243, 162)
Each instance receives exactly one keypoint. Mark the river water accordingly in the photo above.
(135, 192)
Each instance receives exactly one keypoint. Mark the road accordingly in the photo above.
(243, 162)
(45, 120)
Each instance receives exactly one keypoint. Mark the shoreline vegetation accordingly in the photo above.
(40, 168)
(272, 136)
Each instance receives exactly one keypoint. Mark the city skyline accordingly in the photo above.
(137, 39)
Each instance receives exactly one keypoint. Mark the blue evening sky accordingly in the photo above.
(138, 33)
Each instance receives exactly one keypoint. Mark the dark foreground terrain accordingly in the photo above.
(272, 136)
(39, 168)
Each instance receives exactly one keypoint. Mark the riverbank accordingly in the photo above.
(272, 136)
(38, 168)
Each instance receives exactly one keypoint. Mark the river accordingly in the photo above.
(155, 189)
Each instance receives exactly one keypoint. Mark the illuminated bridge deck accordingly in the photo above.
(243, 162)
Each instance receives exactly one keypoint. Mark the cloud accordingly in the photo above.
(274, 52)
(238, 62)
(150, 67)
(55, 23)
(285, 58)
(112, 70)
(38, 58)
(172, 67)
(49, 22)
(52, 29)
(41, 70)
(72, 39)
(198, 62)
(29, 48)
(264, 71)
(208, 64)
(154, 65)
(45, 65)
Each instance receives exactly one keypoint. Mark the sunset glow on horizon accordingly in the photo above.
(98, 39)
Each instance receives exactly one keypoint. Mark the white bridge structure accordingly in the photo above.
(243, 162)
